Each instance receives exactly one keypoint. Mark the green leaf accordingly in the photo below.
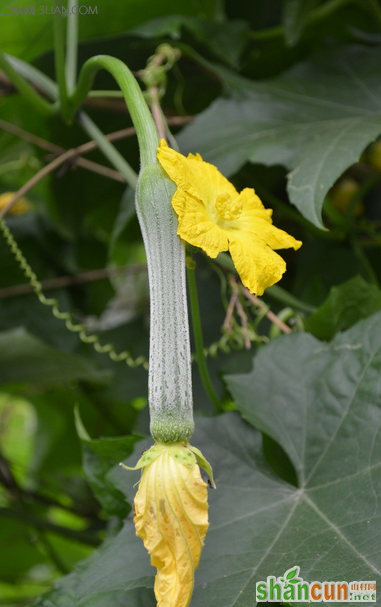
(28, 35)
(24, 358)
(292, 574)
(120, 566)
(345, 305)
(315, 119)
(295, 17)
(18, 551)
(321, 402)
(99, 456)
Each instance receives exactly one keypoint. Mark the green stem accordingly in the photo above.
(112, 94)
(49, 87)
(38, 102)
(140, 114)
(35, 76)
(71, 47)
(320, 14)
(199, 343)
(108, 149)
(284, 297)
(59, 62)
(145, 127)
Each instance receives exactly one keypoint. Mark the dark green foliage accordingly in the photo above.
(283, 96)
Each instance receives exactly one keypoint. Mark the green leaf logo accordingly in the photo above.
(291, 573)
(291, 576)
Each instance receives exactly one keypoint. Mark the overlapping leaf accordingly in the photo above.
(346, 304)
(322, 403)
(315, 119)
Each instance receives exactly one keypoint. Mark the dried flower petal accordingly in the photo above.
(171, 517)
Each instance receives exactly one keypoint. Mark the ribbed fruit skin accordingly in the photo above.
(169, 383)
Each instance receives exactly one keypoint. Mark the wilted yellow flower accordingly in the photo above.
(213, 216)
(21, 206)
(171, 517)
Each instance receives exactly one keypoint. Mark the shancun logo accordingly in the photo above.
(291, 587)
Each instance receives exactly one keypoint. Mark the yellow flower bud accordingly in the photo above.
(171, 517)
(21, 206)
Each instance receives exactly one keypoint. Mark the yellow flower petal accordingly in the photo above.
(194, 176)
(214, 217)
(257, 264)
(196, 226)
(171, 517)
(256, 220)
(177, 167)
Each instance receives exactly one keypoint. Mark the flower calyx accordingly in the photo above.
(184, 453)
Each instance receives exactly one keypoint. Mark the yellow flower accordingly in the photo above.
(171, 517)
(213, 216)
(21, 206)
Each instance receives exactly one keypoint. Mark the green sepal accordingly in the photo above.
(203, 463)
(184, 456)
(147, 458)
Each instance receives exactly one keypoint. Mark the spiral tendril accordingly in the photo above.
(66, 316)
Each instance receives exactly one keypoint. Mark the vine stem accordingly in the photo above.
(45, 107)
(108, 149)
(59, 62)
(65, 316)
(270, 315)
(36, 178)
(39, 103)
(140, 114)
(77, 279)
(197, 333)
(71, 47)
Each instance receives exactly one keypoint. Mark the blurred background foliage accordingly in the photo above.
(257, 84)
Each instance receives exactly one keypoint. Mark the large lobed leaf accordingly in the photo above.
(315, 119)
(322, 403)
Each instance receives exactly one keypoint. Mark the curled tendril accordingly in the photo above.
(66, 316)
(155, 72)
